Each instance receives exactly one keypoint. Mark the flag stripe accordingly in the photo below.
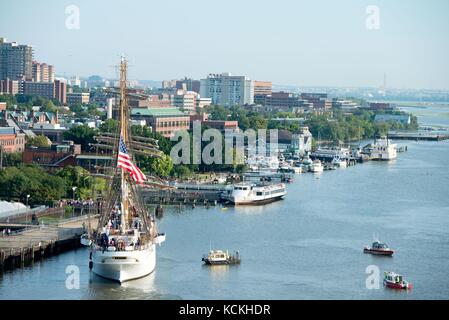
(124, 162)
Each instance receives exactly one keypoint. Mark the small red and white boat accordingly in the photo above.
(395, 281)
(379, 248)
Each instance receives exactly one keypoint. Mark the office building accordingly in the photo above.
(227, 90)
(165, 121)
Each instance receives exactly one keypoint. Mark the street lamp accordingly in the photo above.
(73, 212)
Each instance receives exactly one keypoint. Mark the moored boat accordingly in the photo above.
(252, 194)
(395, 281)
(85, 240)
(316, 166)
(383, 149)
(220, 257)
(379, 248)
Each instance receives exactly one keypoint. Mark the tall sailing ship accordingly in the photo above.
(124, 244)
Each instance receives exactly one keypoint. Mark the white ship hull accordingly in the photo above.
(123, 266)
(249, 194)
(239, 201)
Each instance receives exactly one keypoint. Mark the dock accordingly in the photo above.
(417, 136)
(32, 242)
(185, 196)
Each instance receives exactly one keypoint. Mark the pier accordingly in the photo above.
(417, 136)
(32, 242)
(205, 194)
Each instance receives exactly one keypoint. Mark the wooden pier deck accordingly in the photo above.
(27, 245)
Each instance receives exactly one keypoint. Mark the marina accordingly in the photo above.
(315, 233)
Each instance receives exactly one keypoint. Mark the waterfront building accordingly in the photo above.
(15, 61)
(301, 142)
(78, 98)
(165, 121)
(227, 90)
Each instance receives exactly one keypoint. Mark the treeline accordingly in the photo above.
(334, 126)
(45, 188)
(351, 127)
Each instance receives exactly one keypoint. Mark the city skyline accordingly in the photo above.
(303, 44)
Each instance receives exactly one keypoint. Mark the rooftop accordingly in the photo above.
(157, 112)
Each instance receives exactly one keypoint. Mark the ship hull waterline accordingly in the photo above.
(124, 266)
(255, 202)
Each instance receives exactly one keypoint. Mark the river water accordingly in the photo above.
(308, 246)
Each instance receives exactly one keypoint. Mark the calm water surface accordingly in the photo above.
(308, 246)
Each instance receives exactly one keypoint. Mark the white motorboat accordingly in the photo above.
(316, 166)
(85, 240)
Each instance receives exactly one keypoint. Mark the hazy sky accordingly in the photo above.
(305, 43)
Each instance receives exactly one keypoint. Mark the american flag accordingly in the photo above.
(124, 162)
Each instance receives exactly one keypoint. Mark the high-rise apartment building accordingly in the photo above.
(262, 88)
(227, 90)
(61, 91)
(43, 72)
(15, 60)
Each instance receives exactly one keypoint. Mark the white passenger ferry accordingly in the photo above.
(250, 193)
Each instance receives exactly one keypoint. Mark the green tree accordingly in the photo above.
(160, 166)
(83, 135)
(39, 141)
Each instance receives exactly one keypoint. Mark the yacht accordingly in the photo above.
(328, 153)
(250, 193)
(341, 163)
(383, 149)
(316, 166)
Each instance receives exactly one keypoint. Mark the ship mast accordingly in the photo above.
(124, 135)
